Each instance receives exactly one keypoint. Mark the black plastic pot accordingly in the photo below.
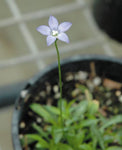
(108, 15)
(105, 66)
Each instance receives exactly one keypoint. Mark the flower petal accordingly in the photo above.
(50, 40)
(63, 27)
(45, 30)
(53, 23)
(63, 37)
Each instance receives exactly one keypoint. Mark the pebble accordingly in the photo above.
(69, 77)
(22, 125)
(108, 102)
(48, 88)
(118, 93)
(120, 98)
(21, 136)
(55, 88)
(108, 94)
(49, 101)
(90, 85)
(30, 113)
(81, 75)
(43, 94)
(23, 93)
(57, 96)
(39, 120)
(97, 81)
(37, 98)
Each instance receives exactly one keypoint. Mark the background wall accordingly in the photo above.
(23, 51)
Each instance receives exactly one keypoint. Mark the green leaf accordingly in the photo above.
(37, 138)
(40, 130)
(38, 146)
(75, 139)
(85, 147)
(57, 134)
(68, 107)
(108, 139)
(52, 109)
(118, 136)
(70, 103)
(26, 141)
(93, 107)
(82, 88)
(112, 121)
(52, 145)
(94, 143)
(88, 95)
(89, 122)
(114, 148)
(80, 109)
(86, 91)
(41, 111)
(55, 110)
(61, 146)
(64, 104)
(72, 120)
(96, 135)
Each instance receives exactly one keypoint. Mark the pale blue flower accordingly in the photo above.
(55, 31)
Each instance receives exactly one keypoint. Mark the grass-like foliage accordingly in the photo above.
(84, 127)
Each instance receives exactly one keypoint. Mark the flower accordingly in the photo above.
(55, 31)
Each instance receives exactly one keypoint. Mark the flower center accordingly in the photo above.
(54, 33)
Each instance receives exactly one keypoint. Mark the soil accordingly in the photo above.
(107, 91)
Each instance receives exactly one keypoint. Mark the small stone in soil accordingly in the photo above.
(49, 101)
(90, 85)
(30, 113)
(39, 120)
(81, 75)
(120, 98)
(48, 88)
(108, 102)
(108, 83)
(23, 93)
(37, 98)
(21, 136)
(43, 94)
(97, 81)
(22, 125)
(118, 93)
(69, 77)
(108, 94)
(55, 88)
(57, 96)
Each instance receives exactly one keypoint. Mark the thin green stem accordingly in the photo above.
(60, 81)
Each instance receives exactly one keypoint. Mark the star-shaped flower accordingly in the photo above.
(55, 31)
